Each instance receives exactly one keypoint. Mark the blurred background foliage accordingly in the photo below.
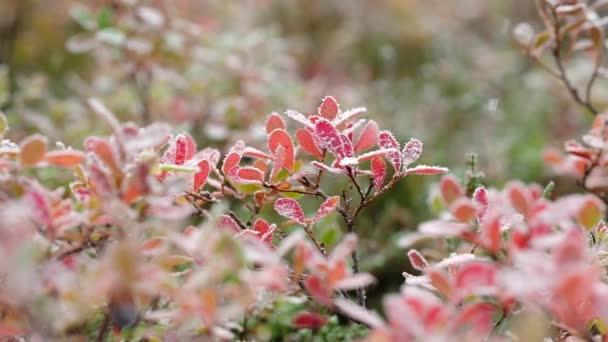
(446, 72)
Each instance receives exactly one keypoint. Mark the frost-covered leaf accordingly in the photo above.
(355, 281)
(417, 260)
(291, 209)
(329, 108)
(326, 208)
(227, 223)
(299, 117)
(386, 140)
(326, 136)
(359, 313)
(427, 170)
(277, 138)
(230, 162)
(274, 121)
(411, 151)
(378, 168)
(201, 176)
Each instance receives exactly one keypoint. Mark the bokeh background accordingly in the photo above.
(446, 72)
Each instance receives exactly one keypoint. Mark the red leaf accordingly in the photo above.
(201, 176)
(230, 162)
(277, 138)
(326, 136)
(387, 140)
(39, 203)
(64, 158)
(418, 261)
(319, 291)
(104, 151)
(427, 170)
(274, 121)
(249, 173)
(326, 208)
(463, 209)
(255, 153)
(411, 151)
(307, 320)
(264, 231)
(291, 209)
(519, 197)
(378, 168)
(490, 234)
(307, 142)
(229, 224)
(368, 137)
(329, 108)
(100, 179)
(450, 189)
(475, 278)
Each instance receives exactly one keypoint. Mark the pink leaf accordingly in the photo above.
(450, 189)
(39, 203)
(100, 179)
(227, 223)
(480, 196)
(201, 176)
(329, 108)
(307, 320)
(443, 228)
(345, 150)
(274, 121)
(277, 138)
(327, 136)
(378, 168)
(326, 208)
(104, 151)
(307, 142)
(417, 260)
(291, 209)
(427, 170)
(230, 162)
(411, 151)
(386, 140)
(368, 137)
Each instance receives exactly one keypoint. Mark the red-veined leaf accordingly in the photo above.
(326, 136)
